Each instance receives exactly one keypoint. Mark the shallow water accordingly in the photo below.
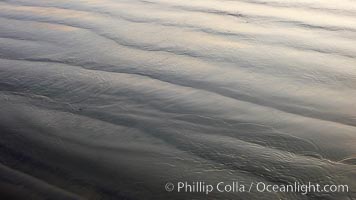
(112, 99)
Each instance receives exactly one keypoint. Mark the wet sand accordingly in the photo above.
(112, 99)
